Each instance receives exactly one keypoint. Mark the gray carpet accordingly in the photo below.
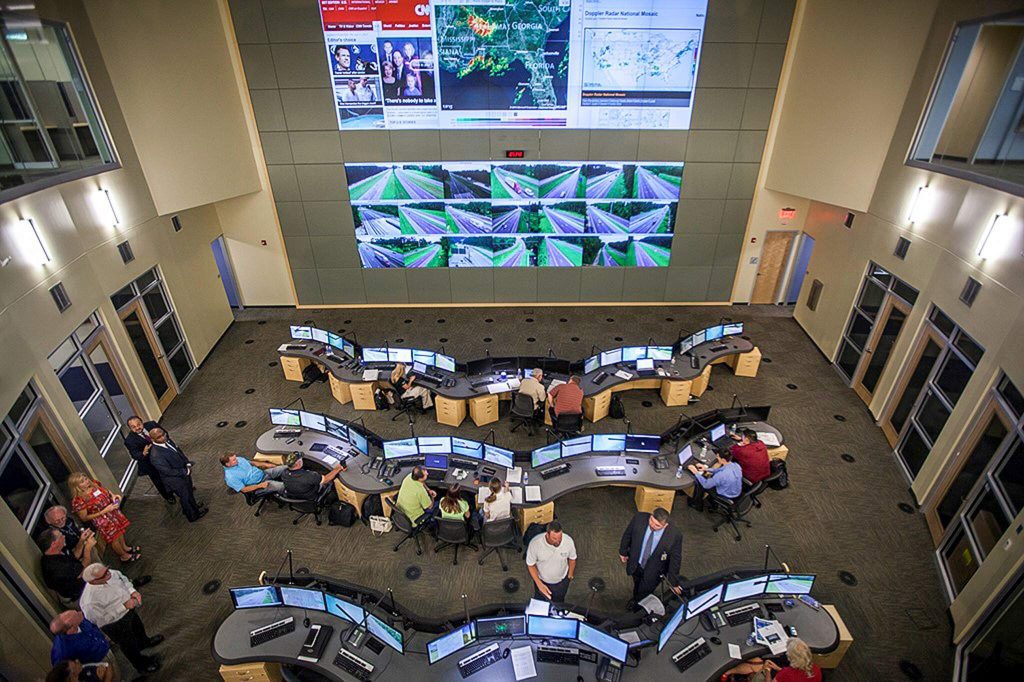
(836, 516)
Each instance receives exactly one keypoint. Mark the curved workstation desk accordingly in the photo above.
(365, 636)
(677, 372)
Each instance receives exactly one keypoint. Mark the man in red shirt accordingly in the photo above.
(566, 398)
(752, 456)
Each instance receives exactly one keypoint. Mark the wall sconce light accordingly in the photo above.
(921, 206)
(106, 204)
(997, 237)
(30, 241)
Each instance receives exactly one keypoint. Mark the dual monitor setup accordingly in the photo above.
(315, 421)
(435, 449)
(598, 443)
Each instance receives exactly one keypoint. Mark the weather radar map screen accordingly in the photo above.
(513, 63)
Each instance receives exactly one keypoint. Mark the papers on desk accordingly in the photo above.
(623, 374)
(500, 387)
(537, 607)
(514, 476)
(283, 348)
(517, 495)
(554, 382)
(632, 637)
(652, 605)
(371, 374)
(769, 439)
(771, 634)
(533, 493)
(330, 461)
(522, 662)
(513, 383)
(734, 652)
(484, 492)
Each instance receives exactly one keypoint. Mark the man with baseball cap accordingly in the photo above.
(110, 601)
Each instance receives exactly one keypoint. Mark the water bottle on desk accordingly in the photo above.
(679, 471)
(526, 477)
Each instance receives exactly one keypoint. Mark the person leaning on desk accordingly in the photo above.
(725, 478)
(566, 398)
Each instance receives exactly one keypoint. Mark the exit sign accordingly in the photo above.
(515, 154)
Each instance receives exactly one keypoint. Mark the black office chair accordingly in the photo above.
(566, 425)
(307, 507)
(403, 524)
(256, 498)
(761, 486)
(453, 533)
(409, 406)
(523, 413)
(730, 510)
(498, 535)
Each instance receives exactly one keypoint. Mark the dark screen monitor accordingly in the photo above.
(510, 365)
(254, 597)
(646, 444)
(482, 366)
(556, 366)
(505, 626)
(603, 643)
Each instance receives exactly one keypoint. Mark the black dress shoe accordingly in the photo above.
(154, 641)
(142, 580)
(169, 500)
(152, 667)
(201, 514)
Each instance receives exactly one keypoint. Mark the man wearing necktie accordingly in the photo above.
(651, 548)
(175, 471)
(139, 444)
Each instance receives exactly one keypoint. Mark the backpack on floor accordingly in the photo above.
(372, 506)
(616, 410)
(782, 481)
(312, 373)
(532, 531)
(342, 514)
(380, 401)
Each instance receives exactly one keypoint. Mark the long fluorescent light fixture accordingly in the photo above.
(921, 205)
(106, 203)
(996, 238)
(31, 242)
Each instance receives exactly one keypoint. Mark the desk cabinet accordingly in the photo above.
(449, 411)
(700, 384)
(483, 409)
(675, 393)
(647, 499)
(595, 408)
(542, 514)
(251, 672)
(746, 364)
(292, 367)
(362, 396)
(834, 658)
(346, 494)
(341, 390)
(778, 453)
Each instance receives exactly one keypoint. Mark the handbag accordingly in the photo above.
(379, 525)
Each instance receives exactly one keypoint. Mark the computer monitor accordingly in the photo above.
(444, 362)
(611, 357)
(375, 355)
(337, 429)
(608, 442)
(419, 368)
(732, 329)
(784, 583)
(424, 357)
(349, 348)
(576, 446)
(647, 444)
(645, 365)
(546, 626)
(434, 445)
(393, 449)
(304, 333)
(670, 627)
(745, 589)
(704, 601)
(403, 355)
(633, 353)
(659, 352)
(717, 432)
(255, 597)
(303, 598)
(447, 644)
(385, 633)
(335, 341)
(545, 455)
(698, 337)
(479, 367)
(685, 454)
(467, 448)
(319, 335)
(591, 364)
(500, 456)
(436, 461)
(344, 609)
(686, 344)
(312, 420)
(285, 417)
(358, 441)
(603, 643)
(713, 333)
(504, 626)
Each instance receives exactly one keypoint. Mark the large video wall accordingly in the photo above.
(482, 214)
(513, 63)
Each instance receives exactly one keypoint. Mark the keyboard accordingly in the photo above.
(353, 665)
(686, 657)
(610, 471)
(599, 379)
(466, 464)
(336, 358)
(715, 349)
(480, 382)
(487, 656)
(556, 470)
(296, 347)
(426, 378)
(562, 655)
(742, 614)
(273, 631)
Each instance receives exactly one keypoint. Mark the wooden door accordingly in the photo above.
(888, 326)
(774, 254)
(143, 339)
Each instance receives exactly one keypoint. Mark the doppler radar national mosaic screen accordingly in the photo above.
(465, 64)
(537, 214)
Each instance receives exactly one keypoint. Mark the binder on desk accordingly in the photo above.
(532, 493)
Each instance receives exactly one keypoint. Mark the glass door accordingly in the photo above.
(144, 342)
(879, 347)
(923, 360)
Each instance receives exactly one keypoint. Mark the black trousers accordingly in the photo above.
(643, 587)
(182, 487)
(558, 591)
(130, 634)
(158, 483)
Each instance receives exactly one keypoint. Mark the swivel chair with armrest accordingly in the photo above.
(523, 413)
(566, 425)
(307, 507)
(453, 533)
(730, 510)
(256, 498)
(756, 489)
(498, 535)
(403, 524)
(409, 406)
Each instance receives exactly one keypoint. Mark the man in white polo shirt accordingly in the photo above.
(551, 561)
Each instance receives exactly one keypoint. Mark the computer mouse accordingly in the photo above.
(506, 653)
(635, 470)
(715, 640)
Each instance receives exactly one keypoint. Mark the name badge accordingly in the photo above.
(97, 492)
(664, 556)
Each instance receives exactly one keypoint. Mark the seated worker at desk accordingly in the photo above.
(403, 385)
(551, 562)
(801, 667)
(725, 478)
(498, 503)
(415, 499)
(301, 484)
(752, 456)
(244, 476)
(453, 505)
(566, 398)
(532, 387)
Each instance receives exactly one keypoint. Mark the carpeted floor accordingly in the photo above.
(836, 516)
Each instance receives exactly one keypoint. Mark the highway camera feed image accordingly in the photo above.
(541, 214)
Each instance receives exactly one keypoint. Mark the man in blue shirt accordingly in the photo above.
(244, 476)
(725, 478)
(76, 639)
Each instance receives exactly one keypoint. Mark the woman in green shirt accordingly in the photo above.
(453, 506)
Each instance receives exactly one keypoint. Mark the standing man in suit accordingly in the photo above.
(176, 471)
(139, 443)
(651, 548)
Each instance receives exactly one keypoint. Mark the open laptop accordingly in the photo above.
(436, 466)
(645, 367)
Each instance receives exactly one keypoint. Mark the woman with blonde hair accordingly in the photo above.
(96, 505)
(498, 504)
(404, 385)
(801, 667)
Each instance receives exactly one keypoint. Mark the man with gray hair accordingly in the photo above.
(532, 387)
(111, 601)
(76, 539)
(651, 549)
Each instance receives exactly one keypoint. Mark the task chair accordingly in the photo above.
(566, 425)
(403, 524)
(523, 413)
(731, 511)
(453, 533)
(498, 535)
(307, 507)
(256, 498)
(756, 489)
(409, 406)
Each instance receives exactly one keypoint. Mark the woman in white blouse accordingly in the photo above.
(497, 505)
